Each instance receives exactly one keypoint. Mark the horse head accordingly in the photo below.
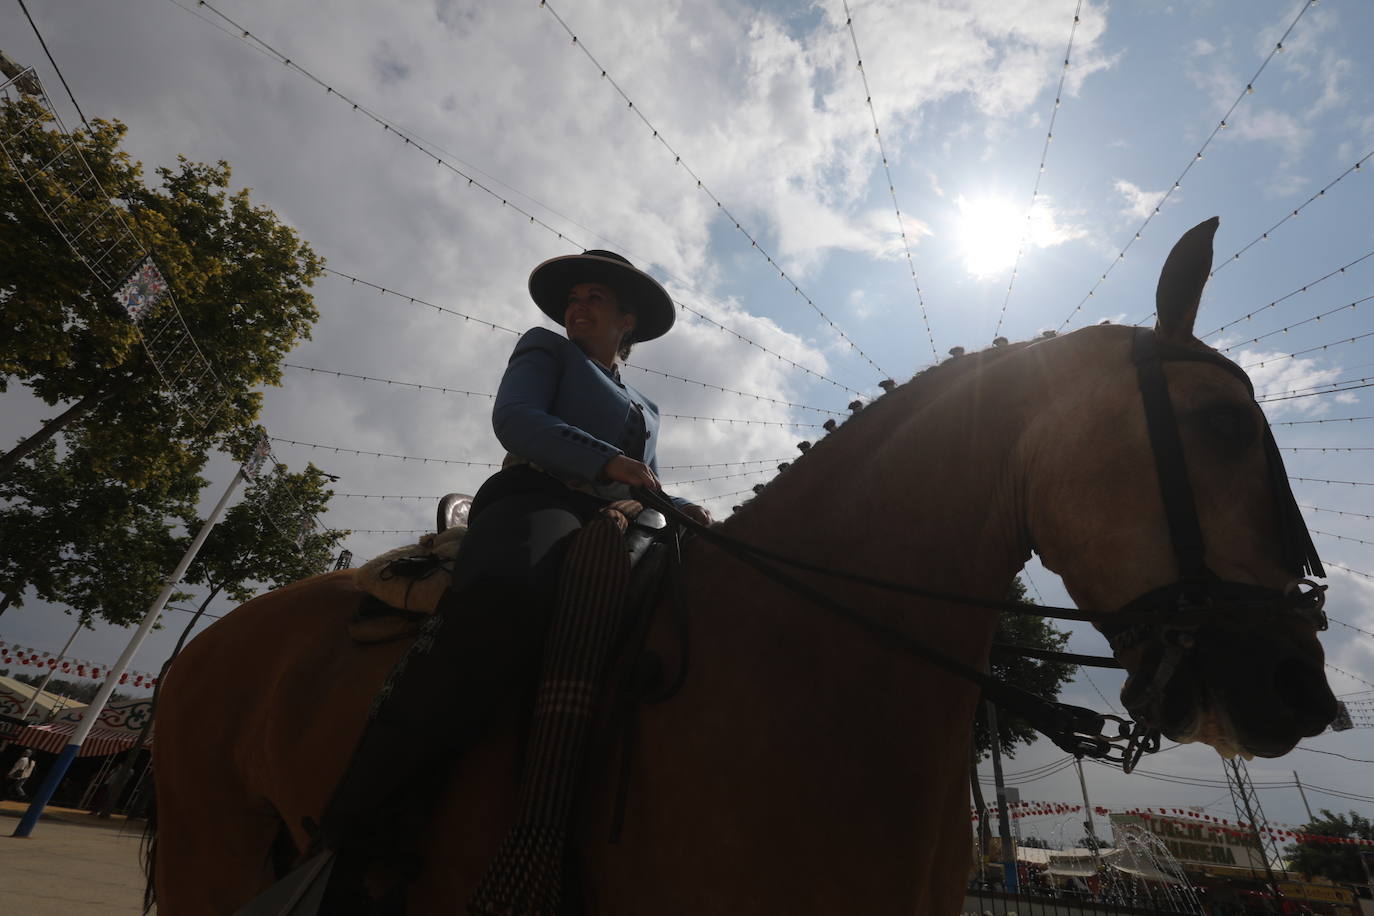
(1193, 539)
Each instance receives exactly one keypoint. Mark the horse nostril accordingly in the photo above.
(1300, 687)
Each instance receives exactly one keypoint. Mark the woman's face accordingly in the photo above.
(594, 321)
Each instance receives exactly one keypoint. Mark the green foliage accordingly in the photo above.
(1044, 679)
(80, 691)
(1332, 860)
(239, 276)
(255, 543)
(81, 539)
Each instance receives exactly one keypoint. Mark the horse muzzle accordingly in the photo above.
(1213, 661)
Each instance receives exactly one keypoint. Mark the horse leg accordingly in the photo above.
(214, 838)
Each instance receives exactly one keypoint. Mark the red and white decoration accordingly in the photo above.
(11, 654)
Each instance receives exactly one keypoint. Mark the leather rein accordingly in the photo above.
(1168, 616)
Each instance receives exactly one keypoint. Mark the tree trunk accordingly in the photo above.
(11, 459)
(979, 804)
(126, 766)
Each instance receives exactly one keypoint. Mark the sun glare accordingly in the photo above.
(988, 234)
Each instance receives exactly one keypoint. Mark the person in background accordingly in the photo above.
(18, 775)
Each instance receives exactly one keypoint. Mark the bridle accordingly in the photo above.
(1199, 598)
(1168, 617)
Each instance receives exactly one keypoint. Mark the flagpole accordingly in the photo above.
(91, 714)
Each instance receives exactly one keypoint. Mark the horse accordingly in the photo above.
(805, 767)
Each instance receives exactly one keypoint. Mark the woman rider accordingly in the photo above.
(577, 438)
(576, 435)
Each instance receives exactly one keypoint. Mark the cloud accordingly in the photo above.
(1274, 373)
(1139, 203)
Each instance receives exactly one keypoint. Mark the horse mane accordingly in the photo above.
(922, 387)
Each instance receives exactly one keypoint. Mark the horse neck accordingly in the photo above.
(923, 487)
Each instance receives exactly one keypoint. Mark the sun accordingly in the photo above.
(988, 234)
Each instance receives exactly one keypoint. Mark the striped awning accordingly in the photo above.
(54, 737)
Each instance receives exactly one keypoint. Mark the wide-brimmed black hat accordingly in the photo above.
(638, 292)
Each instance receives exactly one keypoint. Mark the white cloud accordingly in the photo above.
(1139, 203)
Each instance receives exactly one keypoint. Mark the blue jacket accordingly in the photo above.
(558, 409)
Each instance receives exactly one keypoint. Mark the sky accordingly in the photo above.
(728, 148)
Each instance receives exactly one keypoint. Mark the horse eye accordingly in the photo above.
(1231, 425)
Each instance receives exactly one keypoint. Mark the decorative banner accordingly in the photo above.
(253, 466)
(1186, 826)
(142, 290)
(11, 654)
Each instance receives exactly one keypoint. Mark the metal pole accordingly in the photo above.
(1088, 817)
(43, 685)
(92, 712)
(1009, 878)
(1304, 796)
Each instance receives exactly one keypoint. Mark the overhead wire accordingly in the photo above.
(441, 389)
(1040, 173)
(891, 186)
(1289, 295)
(1196, 158)
(1264, 236)
(702, 186)
(416, 300)
(55, 67)
(1297, 324)
(409, 138)
(1296, 353)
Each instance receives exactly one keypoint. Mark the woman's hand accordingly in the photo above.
(697, 513)
(624, 469)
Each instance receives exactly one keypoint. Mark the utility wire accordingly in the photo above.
(1197, 157)
(720, 206)
(891, 186)
(1040, 173)
(56, 69)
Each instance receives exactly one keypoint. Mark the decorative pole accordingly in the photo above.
(91, 714)
(1009, 877)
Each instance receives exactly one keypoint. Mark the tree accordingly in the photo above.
(269, 538)
(239, 276)
(82, 539)
(1042, 678)
(1336, 861)
(80, 691)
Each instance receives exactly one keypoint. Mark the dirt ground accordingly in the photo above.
(72, 863)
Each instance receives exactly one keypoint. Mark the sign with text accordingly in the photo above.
(1196, 843)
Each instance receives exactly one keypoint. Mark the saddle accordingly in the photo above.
(404, 585)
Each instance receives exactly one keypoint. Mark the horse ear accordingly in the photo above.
(1181, 281)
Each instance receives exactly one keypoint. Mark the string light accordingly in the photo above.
(1299, 291)
(1264, 236)
(1327, 420)
(1341, 537)
(1326, 448)
(1297, 353)
(416, 300)
(338, 449)
(482, 394)
(891, 186)
(1040, 173)
(1347, 569)
(1350, 483)
(1298, 324)
(1365, 383)
(701, 185)
(1197, 157)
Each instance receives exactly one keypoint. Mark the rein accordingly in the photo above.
(1169, 616)
(1076, 730)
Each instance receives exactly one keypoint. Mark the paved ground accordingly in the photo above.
(72, 864)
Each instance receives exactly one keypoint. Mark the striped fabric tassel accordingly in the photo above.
(526, 877)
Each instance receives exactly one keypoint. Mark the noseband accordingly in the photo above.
(1175, 613)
